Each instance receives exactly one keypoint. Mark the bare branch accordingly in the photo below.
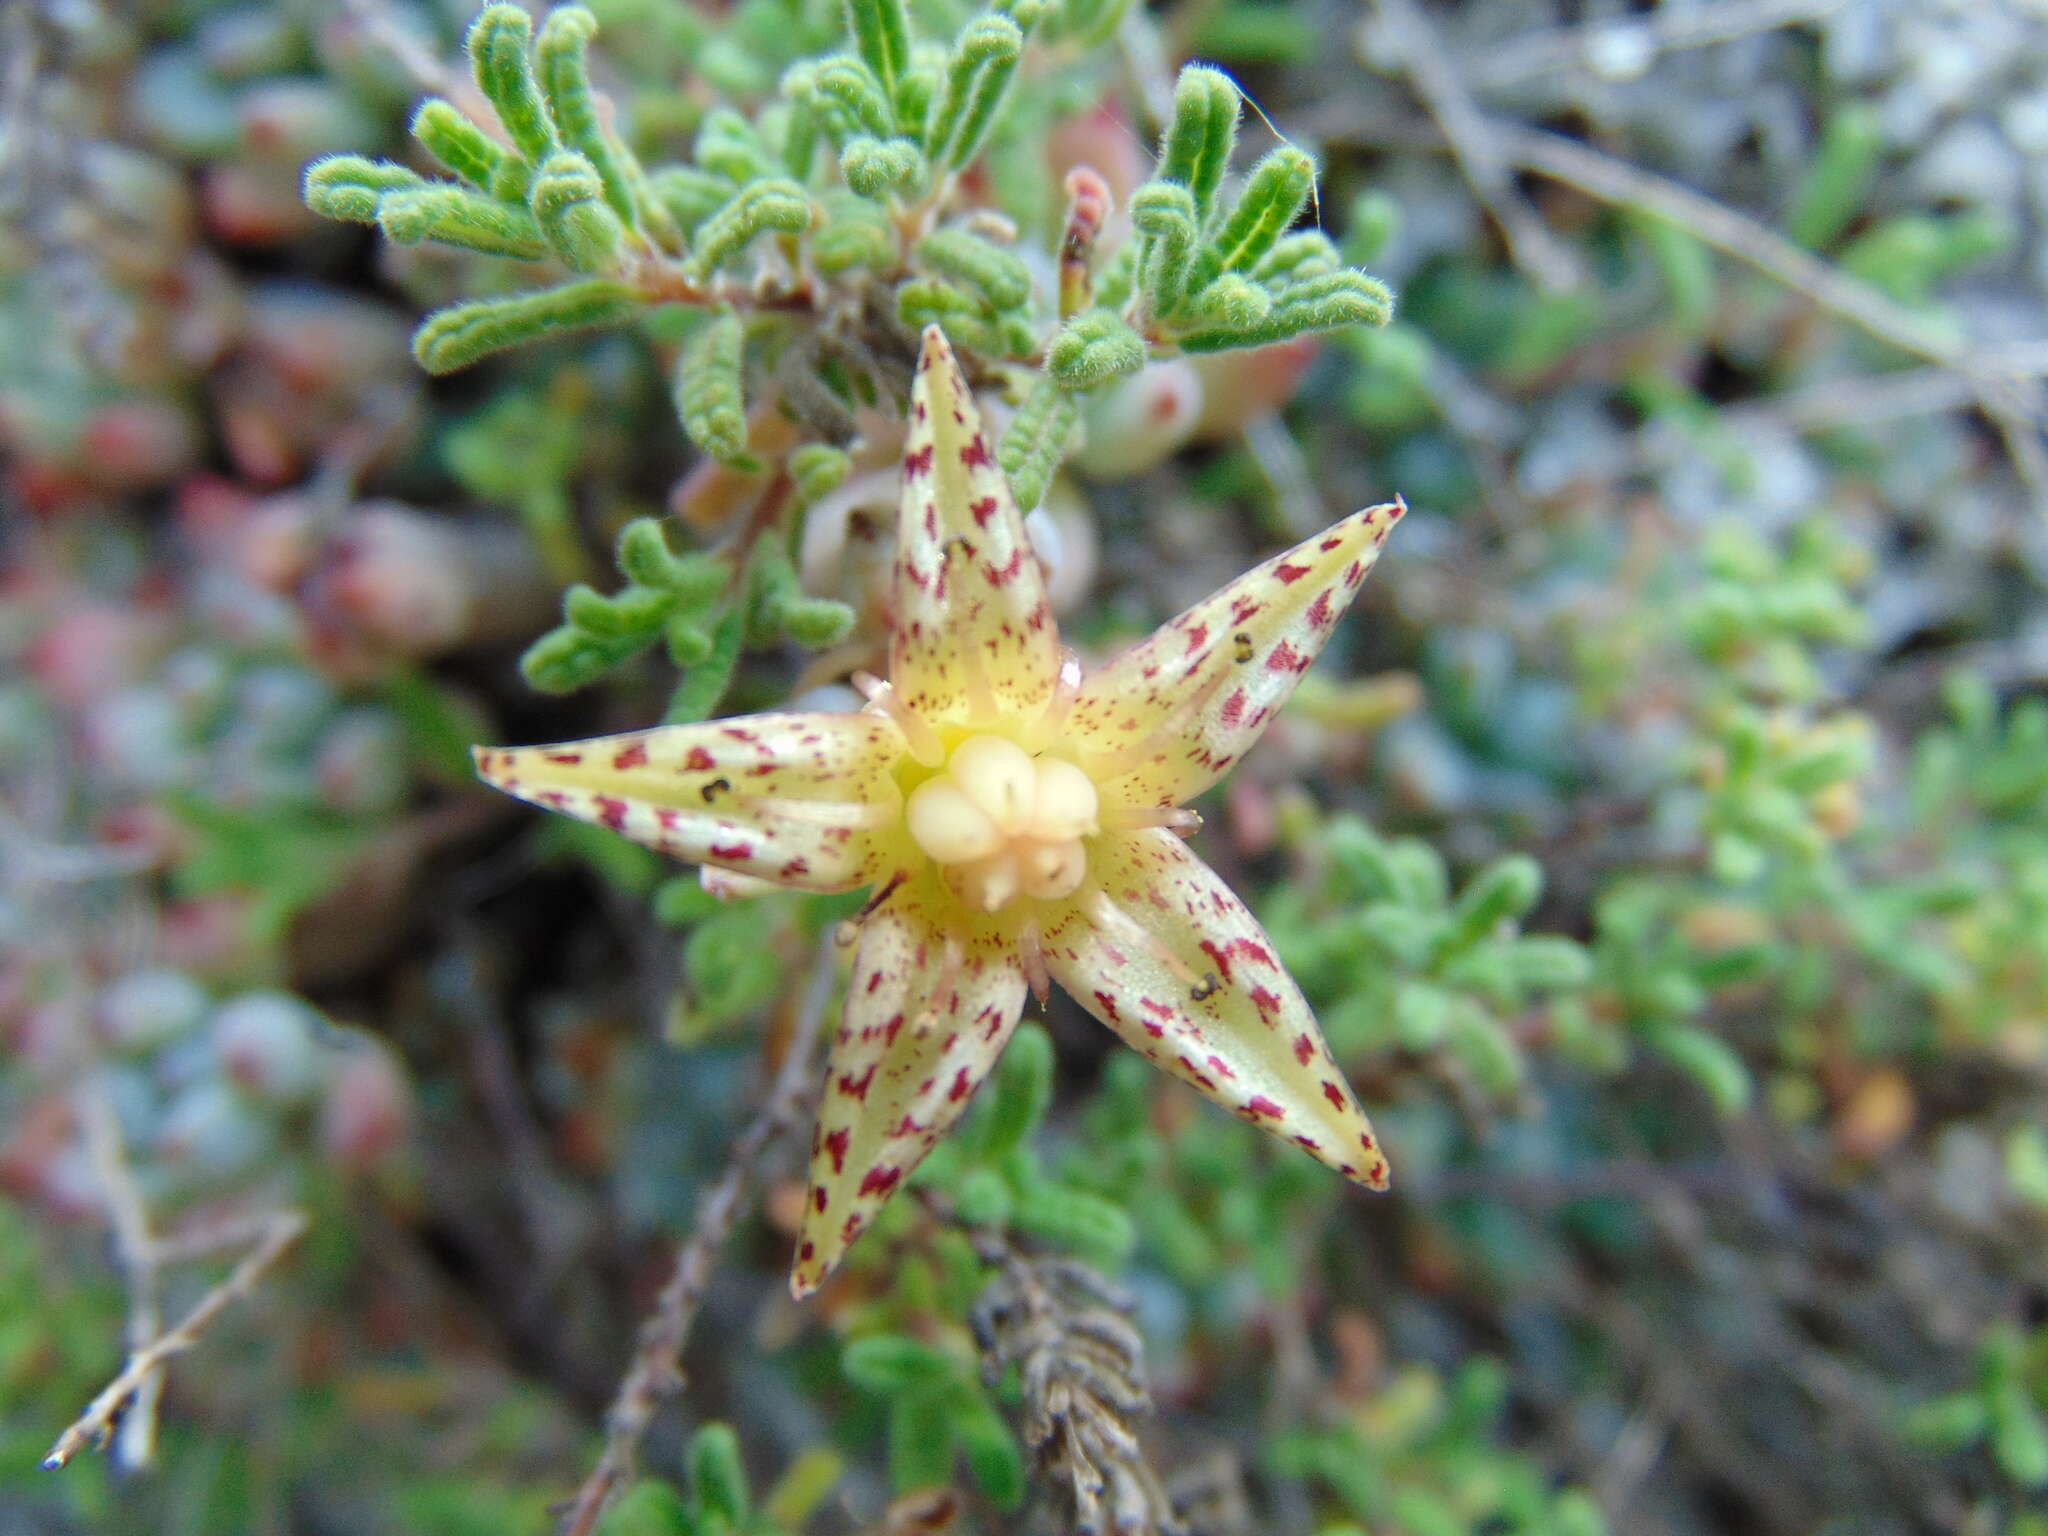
(1407, 34)
(1645, 38)
(283, 1229)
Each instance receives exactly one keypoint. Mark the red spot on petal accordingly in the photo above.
(918, 463)
(1198, 636)
(963, 1085)
(1108, 1004)
(1289, 574)
(1220, 953)
(795, 867)
(836, 1144)
(699, 760)
(1319, 610)
(632, 756)
(1221, 1067)
(1304, 1047)
(566, 759)
(975, 454)
(1284, 658)
(881, 1181)
(611, 811)
(983, 510)
(805, 1253)
(1334, 1094)
(731, 850)
(1233, 708)
(1259, 1104)
(852, 1087)
(819, 1198)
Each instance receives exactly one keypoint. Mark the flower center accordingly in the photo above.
(1002, 823)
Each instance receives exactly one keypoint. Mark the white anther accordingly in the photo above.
(1066, 805)
(999, 776)
(949, 826)
(1051, 871)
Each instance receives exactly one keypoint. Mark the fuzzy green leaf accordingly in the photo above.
(1833, 189)
(877, 167)
(568, 198)
(1092, 348)
(644, 555)
(851, 88)
(1035, 443)
(1163, 212)
(1195, 149)
(457, 216)
(773, 204)
(457, 336)
(977, 76)
(499, 43)
(1274, 195)
(710, 390)
(562, 60)
(718, 1477)
(1322, 303)
(459, 144)
(697, 695)
(689, 196)
(350, 187)
(999, 276)
(881, 34)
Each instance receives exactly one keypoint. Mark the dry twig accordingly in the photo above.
(1082, 1365)
(1646, 38)
(656, 1371)
(1413, 42)
(280, 1232)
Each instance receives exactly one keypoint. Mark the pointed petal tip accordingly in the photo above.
(482, 759)
(934, 346)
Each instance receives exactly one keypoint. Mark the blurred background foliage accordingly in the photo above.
(1664, 843)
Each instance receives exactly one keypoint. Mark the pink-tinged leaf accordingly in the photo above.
(1168, 718)
(973, 634)
(802, 800)
(929, 1008)
(1162, 951)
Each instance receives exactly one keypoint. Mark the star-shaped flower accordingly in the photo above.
(1018, 824)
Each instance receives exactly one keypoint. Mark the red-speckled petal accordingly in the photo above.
(1165, 720)
(929, 1008)
(1163, 953)
(973, 637)
(803, 800)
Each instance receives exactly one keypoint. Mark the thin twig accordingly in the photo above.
(1423, 60)
(656, 1372)
(1612, 180)
(1555, 49)
(136, 1250)
(283, 1229)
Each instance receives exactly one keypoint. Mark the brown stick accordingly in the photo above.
(281, 1232)
(656, 1371)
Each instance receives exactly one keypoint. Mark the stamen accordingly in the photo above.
(925, 746)
(1135, 755)
(1132, 818)
(1066, 688)
(1114, 921)
(1031, 956)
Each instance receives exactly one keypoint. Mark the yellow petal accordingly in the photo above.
(928, 1011)
(973, 636)
(1165, 720)
(803, 800)
(1162, 951)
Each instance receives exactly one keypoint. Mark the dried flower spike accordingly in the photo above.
(1017, 822)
